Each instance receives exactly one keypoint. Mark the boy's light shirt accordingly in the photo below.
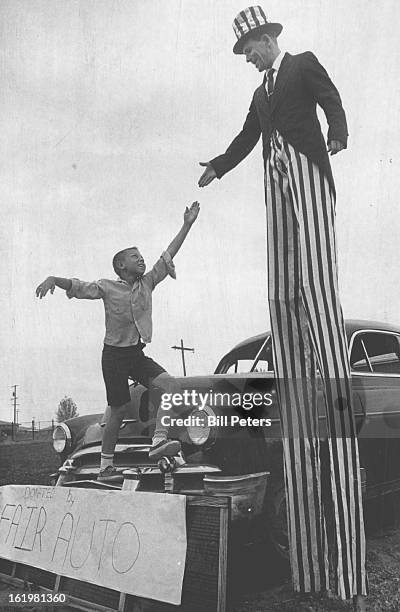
(127, 309)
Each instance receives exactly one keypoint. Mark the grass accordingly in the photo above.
(27, 462)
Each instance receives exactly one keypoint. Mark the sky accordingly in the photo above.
(108, 106)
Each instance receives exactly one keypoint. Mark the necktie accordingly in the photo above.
(270, 82)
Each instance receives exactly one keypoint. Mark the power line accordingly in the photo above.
(183, 349)
(15, 415)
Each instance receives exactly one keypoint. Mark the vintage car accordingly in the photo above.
(226, 453)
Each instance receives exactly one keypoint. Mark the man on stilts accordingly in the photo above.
(323, 484)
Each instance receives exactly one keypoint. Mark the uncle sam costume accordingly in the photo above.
(306, 315)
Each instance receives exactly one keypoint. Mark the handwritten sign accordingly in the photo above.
(129, 541)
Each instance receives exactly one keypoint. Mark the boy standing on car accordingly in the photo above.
(128, 306)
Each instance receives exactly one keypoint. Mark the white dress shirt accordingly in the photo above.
(276, 65)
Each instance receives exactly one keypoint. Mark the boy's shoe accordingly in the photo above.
(109, 474)
(165, 448)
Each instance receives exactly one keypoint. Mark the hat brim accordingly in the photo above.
(266, 28)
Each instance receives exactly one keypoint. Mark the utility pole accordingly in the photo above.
(183, 349)
(15, 418)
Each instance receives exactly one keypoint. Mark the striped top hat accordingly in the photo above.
(249, 21)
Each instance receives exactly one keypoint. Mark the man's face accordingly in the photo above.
(133, 262)
(259, 52)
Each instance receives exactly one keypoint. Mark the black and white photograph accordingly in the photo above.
(200, 297)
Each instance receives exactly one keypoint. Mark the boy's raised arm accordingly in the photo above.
(189, 218)
(51, 283)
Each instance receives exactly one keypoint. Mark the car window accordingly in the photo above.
(252, 357)
(359, 358)
(241, 366)
(376, 352)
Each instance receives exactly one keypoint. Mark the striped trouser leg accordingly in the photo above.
(308, 331)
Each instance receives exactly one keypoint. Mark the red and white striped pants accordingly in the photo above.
(308, 333)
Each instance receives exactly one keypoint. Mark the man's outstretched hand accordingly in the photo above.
(208, 174)
(191, 213)
(334, 146)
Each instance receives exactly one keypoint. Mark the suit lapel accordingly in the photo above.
(262, 104)
(284, 72)
(266, 106)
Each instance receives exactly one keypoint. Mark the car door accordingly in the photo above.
(375, 365)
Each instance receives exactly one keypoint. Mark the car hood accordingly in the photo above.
(213, 390)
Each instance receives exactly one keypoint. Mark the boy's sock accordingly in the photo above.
(106, 460)
(160, 432)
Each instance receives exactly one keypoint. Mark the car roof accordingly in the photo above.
(352, 325)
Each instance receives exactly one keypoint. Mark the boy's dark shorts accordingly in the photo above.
(119, 363)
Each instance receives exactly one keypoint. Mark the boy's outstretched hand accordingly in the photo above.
(47, 285)
(189, 218)
(191, 213)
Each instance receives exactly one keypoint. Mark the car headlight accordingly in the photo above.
(61, 438)
(200, 431)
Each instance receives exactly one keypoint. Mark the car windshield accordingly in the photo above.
(255, 356)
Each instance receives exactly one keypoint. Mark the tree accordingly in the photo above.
(67, 409)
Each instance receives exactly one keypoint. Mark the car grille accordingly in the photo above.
(126, 456)
(90, 592)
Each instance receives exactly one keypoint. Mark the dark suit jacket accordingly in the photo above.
(301, 84)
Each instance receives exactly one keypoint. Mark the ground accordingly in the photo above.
(32, 462)
(27, 462)
(383, 563)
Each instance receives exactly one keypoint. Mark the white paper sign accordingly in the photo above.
(129, 541)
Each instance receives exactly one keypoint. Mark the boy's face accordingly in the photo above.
(133, 263)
